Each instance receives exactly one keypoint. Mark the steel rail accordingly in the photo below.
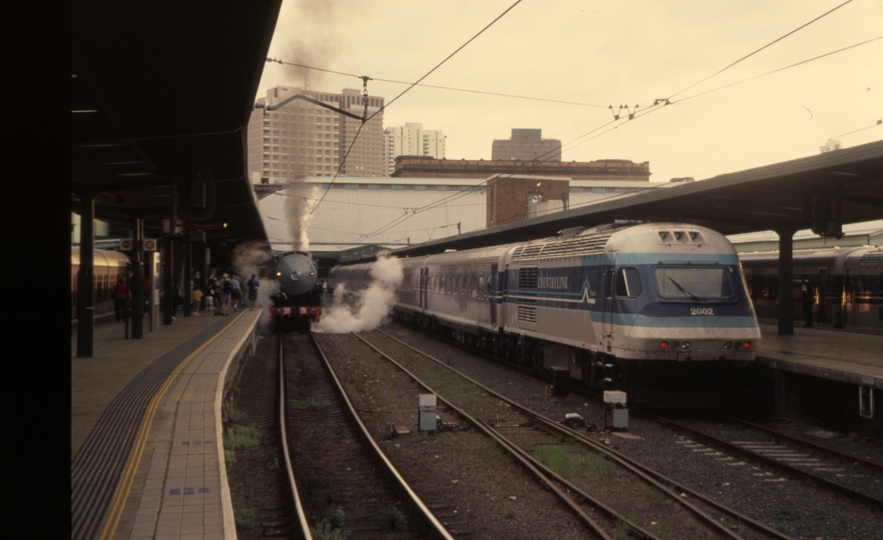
(648, 474)
(283, 417)
(790, 469)
(633, 527)
(876, 465)
(437, 526)
(504, 443)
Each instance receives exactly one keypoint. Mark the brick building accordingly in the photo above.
(514, 198)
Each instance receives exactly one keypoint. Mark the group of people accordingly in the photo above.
(221, 295)
(225, 294)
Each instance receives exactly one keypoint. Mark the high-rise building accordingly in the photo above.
(434, 143)
(290, 138)
(412, 140)
(525, 145)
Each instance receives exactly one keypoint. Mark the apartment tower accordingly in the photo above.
(290, 138)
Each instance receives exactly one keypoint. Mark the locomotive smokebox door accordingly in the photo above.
(427, 419)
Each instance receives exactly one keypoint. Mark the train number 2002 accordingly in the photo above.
(701, 311)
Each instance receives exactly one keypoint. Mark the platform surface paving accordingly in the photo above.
(847, 356)
(145, 420)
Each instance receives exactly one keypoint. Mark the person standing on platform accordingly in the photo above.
(252, 292)
(235, 292)
(121, 297)
(197, 299)
(226, 290)
(807, 296)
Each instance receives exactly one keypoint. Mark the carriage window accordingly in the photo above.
(628, 283)
(693, 283)
(482, 283)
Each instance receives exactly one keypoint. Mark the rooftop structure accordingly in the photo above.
(525, 145)
(398, 212)
(603, 169)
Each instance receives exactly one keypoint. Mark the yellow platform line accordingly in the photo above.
(122, 492)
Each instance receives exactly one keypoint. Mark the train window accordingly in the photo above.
(628, 283)
(693, 283)
(482, 283)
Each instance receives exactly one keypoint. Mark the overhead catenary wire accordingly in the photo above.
(575, 142)
(749, 55)
(440, 64)
(368, 119)
(450, 88)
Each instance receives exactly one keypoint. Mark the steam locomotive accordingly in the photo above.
(298, 301)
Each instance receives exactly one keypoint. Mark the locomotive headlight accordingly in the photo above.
(685, 345)
(738, 345)
(675, 344)
(295, 275)
(746, 344)
(663, 345)
(728, 345)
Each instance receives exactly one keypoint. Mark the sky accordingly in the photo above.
(601, 54)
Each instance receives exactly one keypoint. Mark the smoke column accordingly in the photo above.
(371, 305)
(298, 204)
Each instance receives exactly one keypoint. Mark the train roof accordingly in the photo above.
(102, 257)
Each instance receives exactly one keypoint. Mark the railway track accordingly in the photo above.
(343, 479)
(649, 504)
(853, 476)
(807, 509)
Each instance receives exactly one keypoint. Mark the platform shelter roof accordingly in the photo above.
(776, 197)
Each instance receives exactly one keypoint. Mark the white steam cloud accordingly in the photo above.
(297, 212)
(367, 308)
(248, 258)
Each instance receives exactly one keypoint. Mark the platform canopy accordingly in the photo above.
(161, 90)
(845, 186)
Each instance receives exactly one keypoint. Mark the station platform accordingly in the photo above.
(147, 455)
(848, 356)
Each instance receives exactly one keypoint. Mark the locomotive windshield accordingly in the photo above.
(699, 284)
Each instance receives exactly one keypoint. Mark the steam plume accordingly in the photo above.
(297, 213)
(370, 306)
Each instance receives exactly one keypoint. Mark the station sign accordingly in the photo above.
(126, 244)
(149, 244)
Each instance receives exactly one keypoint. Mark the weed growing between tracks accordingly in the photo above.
(393, 519)
(568, 464)
(491, 447)
(240, 438)
(331, 526)
(256, 473)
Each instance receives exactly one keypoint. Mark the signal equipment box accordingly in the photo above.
(427, 412)
(616, 415)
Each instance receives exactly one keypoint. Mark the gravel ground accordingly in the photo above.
(471, 486)
(790, 506)
(261, 500)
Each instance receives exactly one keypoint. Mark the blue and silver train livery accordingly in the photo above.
(660, 310)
